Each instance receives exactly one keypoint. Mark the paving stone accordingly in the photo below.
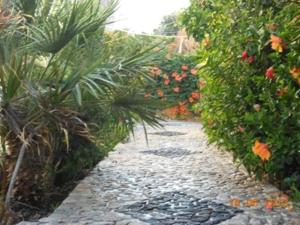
(169, 152)
(176, 179)
(168, 133)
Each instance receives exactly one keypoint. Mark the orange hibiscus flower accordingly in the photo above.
(194, 72)
(295, 72)
(167, 82)
(160, 93)
(184, 67)
(195, 95)
(282, 91)
(191, 100)
(178, 78)
(147, 95)
(262, 150)
(277, 43)
(176, 89)
(174, 74)
(171, 112)
(206, 42)
(182, 109)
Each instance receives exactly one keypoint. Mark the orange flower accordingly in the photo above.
(295, 72)
(147, 95)
(171, 112)
(282, 91)
(184, 75)
(176, 89)
(191, 100)
(277, 43)
(184, 67)
(182, 109)
(269, 204)
(160, 93)
(194, 72)
(174, 74)
(167, 82)
(195, 95)
(262, 150)
(206, 41)
(178, 78)
(235, 202)
(155, 71)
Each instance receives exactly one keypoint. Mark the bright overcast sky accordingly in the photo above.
(145, 15)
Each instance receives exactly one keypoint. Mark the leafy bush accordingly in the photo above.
(176, 84)
(249, 58)
(63, 84)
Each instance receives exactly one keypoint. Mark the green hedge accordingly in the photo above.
(249, 58)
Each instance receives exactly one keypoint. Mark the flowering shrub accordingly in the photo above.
(177, 84)
(249, 58)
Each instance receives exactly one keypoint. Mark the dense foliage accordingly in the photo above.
(68, 93)
(177, 85)
(249, 58)
(168, 26)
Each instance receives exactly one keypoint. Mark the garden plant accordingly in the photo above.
(249, 59)
(69, 91)
(177, 86)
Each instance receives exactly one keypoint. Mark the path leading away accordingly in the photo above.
(177, 179)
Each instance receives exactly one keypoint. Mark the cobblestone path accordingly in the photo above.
(177, 179)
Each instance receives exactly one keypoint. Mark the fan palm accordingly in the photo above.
(58, 83)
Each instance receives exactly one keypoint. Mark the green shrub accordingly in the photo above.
(249, 58)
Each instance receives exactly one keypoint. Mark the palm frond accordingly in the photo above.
(58, 29)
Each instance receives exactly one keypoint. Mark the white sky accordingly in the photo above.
(145, 15)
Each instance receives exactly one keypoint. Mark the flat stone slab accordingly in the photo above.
(177, 178)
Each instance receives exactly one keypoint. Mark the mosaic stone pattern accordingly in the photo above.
(169, 152)
(153, 186)
(168, 133)
(180, 209)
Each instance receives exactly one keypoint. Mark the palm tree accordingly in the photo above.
(58, 83)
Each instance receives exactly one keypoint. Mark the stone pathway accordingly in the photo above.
(177, 179)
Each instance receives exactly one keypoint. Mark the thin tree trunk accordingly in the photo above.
(14, 175)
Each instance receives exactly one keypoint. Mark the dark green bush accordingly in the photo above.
(249, 58)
